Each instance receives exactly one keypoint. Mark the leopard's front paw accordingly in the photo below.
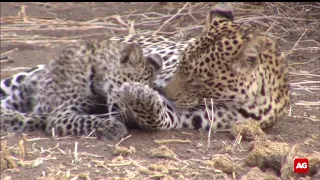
(111, 130)
(144, 104)
(136, 95)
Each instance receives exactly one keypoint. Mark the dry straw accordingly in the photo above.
(277, 19)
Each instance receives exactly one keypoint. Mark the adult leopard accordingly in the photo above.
(239, 68)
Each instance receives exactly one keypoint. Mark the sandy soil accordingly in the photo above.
(55, 158)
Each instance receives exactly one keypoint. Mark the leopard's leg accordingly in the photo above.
(19, 100)
(15, 121)
(70, 119)
(17, 109)
(148, 108)
(22, 92)
(8, 85)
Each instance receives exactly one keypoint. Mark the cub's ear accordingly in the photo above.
(132, 53)
(156, 61)
(248, 59)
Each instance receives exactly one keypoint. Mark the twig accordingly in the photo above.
(39, 139)
(91, 133)
(122, 139)
(271, 25)
(304, 62)
(75, 153)
(274, 17)
(312, 119)
(290, 111)
(304, 74)
(53, 134)
(171, 18)
(308, 103)
(22, 13)
(122, 164)
(210, 119)
(10, 51)
(171, 141)
(299, 40)
(305, 82)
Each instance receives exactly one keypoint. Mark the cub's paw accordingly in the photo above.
(111, 130)
(138, 96)
(144, 104)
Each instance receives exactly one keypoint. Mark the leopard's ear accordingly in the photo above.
(156, 61)
(132, 53)
(248, 59)
(220, 10)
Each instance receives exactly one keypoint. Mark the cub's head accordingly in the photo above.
(127, 63)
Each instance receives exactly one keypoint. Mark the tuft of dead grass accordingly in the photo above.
(6, 159)
(255, 173)
(124, 151)
(163, 167)
(248, 130)
(268, 154)
(314, 165)
(163, 152)
(223, 163)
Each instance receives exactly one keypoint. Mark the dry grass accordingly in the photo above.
(163, 152)
(278, 19)
(223, 163)
(314, 164)
(249, 130)
(267, 154)
(288, 19)
(256, 173)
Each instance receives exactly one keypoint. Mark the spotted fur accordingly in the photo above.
(239, 69)
(77, 93)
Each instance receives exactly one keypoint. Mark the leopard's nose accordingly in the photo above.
(160, 90)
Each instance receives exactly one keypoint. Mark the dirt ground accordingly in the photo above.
(33, 33)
